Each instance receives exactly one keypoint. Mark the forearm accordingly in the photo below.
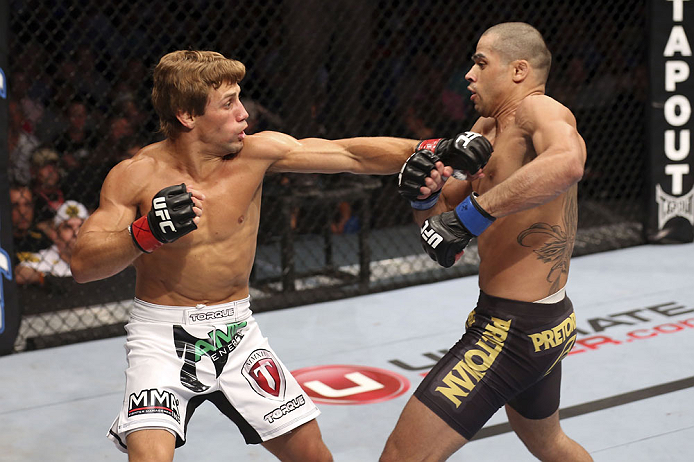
(452, 194)
(536, 183)
(101, 254)
(421, 215)
(378, 155)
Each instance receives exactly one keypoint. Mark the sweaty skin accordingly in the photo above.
(224, 169)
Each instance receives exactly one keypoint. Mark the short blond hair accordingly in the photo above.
(518, 40)
(183, 80)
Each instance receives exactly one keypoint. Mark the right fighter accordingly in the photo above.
(523, 213)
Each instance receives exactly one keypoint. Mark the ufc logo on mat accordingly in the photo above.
(467, 137)
(163, 213)
(430, 236)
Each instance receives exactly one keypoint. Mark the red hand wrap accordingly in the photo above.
(429, 145)
(142, 235)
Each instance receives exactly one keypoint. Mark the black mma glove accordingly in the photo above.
(467, 152)
(446, 235)
(170, 218)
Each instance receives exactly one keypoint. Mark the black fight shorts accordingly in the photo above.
(510, 353)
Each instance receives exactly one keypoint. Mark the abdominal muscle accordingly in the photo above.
(188, 274)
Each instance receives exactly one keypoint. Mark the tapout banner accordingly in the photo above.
(671, 176)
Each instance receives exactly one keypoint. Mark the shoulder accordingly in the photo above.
(145, 163)
(536, 110)
(130, 177)
(484, 126)
(270, 145)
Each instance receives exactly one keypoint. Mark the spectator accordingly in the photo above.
(79, 139)
(32, 107)
(86, 79)
(55, 260)
(346, 222)
(26, 237)
(46, 180)
(21, 145)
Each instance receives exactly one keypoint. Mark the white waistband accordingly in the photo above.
(237, 310)
(555, 297)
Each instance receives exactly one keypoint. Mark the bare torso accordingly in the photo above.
(525, 255)
(213, 263)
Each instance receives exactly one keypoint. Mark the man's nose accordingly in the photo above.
(243, 115)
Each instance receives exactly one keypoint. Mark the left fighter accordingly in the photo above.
(192, 336)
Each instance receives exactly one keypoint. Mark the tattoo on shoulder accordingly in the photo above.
(559, 245)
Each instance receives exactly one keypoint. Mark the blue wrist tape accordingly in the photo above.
(472, 216)
(426, 204)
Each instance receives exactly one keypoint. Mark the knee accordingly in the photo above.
(547, 449)
(317, 456)
(153, 454)
(317, 452)
(391, 453)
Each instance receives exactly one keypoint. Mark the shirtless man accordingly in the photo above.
(524, 212)
(191, 335)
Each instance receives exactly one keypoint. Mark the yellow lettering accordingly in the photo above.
(555, 336)
(460, 381)
(538, 340)
(489, 348)
(455, 384)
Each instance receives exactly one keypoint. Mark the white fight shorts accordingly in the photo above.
(179, 357)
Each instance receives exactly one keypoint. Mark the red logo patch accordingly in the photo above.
(342, 384)
(264, 375)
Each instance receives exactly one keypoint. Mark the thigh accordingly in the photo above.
(260, 393)
(420, 434)
(303, 443)
(475, 378)
(540, 400)
(535, 433)
(151, 445)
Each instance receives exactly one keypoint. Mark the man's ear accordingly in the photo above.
(186, 119)
(521, 70)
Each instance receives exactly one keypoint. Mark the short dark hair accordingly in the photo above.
(519, 40)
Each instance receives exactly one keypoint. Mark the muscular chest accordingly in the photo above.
(512, 150)
(231, 202)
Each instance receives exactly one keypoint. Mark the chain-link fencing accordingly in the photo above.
(80, 82)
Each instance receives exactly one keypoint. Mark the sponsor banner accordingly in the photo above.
(347, 384)
(671, 179)
(618, 328)
(9, 307)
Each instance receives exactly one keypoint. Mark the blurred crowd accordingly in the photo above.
(79, 83)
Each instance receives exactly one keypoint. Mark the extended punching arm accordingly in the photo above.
(466, 154)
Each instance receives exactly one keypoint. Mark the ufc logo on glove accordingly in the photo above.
(159, 204)
(430, 236)
(466, 137)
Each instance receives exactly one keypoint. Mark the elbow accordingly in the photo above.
(576, 173)
(78, 270)
(575, 170)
